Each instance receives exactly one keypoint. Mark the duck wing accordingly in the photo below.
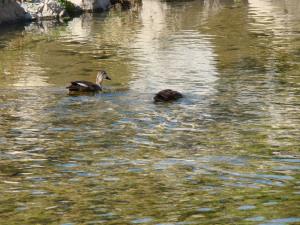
(82, 85)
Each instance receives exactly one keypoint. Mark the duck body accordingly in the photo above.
(167, 95)
(87, 86)
(84, 86)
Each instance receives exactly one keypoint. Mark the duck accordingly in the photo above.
(167, 95)
(87, 86)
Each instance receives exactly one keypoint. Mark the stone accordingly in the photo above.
(43, 9)
(50, 9)
(92, 5)
(11, 11)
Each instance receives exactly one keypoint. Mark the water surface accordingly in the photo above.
(227, 153)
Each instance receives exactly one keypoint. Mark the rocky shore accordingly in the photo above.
(13, 11)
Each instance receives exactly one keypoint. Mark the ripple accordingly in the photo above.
(39, 192)
(205, 210)
(270, 203)
(246, 207)
(282, 221)
(142, 220)
(256, 219)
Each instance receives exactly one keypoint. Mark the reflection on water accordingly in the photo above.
(227, 153)
(182, 59)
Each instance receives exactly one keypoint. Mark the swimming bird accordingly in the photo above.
(167, 95)
(87, 86)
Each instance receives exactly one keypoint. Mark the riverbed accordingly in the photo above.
(226, 153)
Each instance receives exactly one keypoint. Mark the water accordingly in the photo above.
(227, 153)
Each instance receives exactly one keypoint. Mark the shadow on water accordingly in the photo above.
(7, 30)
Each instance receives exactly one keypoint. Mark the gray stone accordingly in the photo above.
(11, 11)
(31, 10)
(44, 9)
(92, 5)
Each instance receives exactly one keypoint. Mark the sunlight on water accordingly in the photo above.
(227, 153)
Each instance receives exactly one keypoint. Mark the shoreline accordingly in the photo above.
(14, 12)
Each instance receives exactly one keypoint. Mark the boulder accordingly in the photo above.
(44, 10)
(11, 11)
(50, 9)
(92, 5)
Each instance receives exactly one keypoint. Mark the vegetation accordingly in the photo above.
(70, 7)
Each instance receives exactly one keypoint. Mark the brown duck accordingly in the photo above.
(87, 86)
(167, 95)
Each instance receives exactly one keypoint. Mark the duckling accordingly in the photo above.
(87, 86)
(167, 95)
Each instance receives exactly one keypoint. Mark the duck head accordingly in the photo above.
(102, 75)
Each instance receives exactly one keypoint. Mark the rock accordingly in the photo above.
(50, 9)
(31, 10)
(125, 4)
(44, 9)
(92, 5)
(11, 11)
(63, 13)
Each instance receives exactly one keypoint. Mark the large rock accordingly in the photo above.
(11, 11)
(92, 5)
(50, 9)
(44, 10)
